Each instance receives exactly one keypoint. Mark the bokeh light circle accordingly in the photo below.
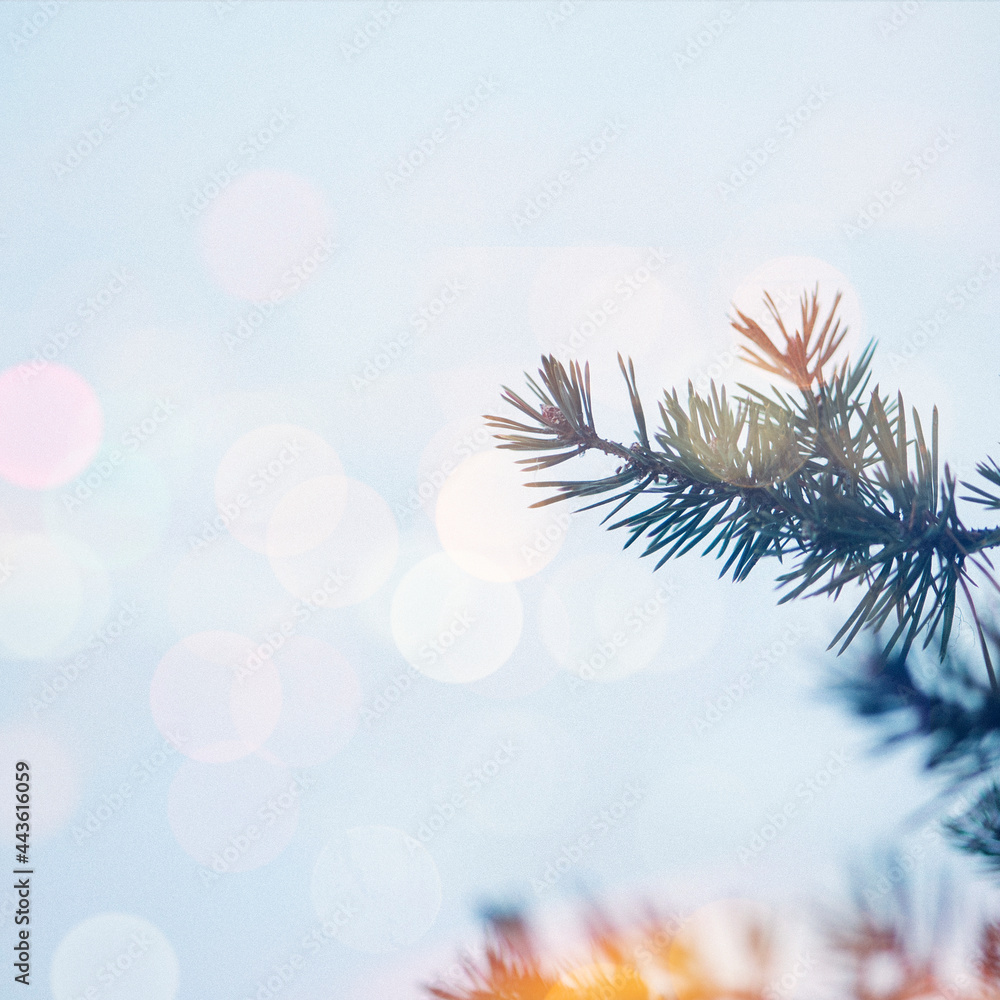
(604, 618)
(235, 817)
(378, 886)
(572, 290)
(54, 595)
(259, 234)
(353, 560)
(785, 279)
(216, 697)
(590, 303)
(306, 516)
(262, 467)
(50, 425)
(117, 956)
(452, 626)
(123, 516)
(455, 441)
(486, 524)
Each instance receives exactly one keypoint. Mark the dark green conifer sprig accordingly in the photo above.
(829, 477)
(956, 716)
(990, 471)
(943, 704)
(977, 831)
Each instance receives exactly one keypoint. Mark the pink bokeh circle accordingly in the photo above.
(216, 697)
(50, 425)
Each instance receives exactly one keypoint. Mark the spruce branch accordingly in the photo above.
(954, 714)
(943, 704)
(977, 831)
(990, 471)
(800, 350)
(831, 477)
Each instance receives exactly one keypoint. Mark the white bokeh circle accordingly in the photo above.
(456, 441)
(604, 617)
(452, 626)
(590, 303)
(215, 697)
(486, 523)
(117, 956)
(259, 469)
(572, 287)
(123, 514)
(379, 886)
(306, 516)
(54, 595)
(353, 560)
(235, 817)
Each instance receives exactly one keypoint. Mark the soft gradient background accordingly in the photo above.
(168, 166)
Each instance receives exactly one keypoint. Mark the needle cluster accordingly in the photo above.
(831, 478)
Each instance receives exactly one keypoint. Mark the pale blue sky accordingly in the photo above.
(632, 118)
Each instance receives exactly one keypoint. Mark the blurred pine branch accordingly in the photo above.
(881, 947)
